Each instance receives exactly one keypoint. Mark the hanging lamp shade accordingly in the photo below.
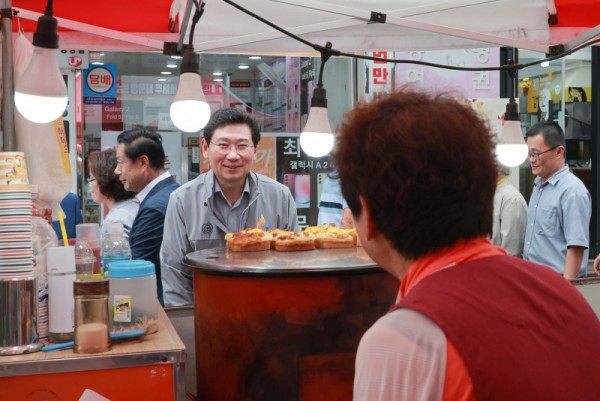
(41, 92)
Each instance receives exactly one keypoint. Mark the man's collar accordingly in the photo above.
(217, 187)
(144, 192)
(554, 177)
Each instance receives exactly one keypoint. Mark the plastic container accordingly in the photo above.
(133, 300)
(61, 275)
(92, 323)
(115, 246)
(90, 233)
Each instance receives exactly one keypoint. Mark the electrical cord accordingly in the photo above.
(328, 51)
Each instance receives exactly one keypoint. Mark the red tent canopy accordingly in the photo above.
(578, 13)
(120, 15)
(223, 28)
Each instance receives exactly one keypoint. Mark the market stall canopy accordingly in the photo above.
(117, 25)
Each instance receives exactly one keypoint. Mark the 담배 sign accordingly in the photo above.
(100, 84)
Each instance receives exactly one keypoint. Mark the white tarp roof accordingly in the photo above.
(411, 25)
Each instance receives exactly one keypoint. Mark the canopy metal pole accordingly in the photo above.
(184, 23)
(9, 143)
(595, 155)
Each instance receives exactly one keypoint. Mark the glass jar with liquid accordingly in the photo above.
(92, 323)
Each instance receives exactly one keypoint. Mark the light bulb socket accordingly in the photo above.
(319, 98)
(46, 34)
(190, 61)
(512, 111)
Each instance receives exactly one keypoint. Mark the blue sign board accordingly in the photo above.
(100, 84)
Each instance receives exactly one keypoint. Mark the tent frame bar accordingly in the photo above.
(583, 38)
(423, 26)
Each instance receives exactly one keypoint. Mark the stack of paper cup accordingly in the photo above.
(16, 253)
(16, 257)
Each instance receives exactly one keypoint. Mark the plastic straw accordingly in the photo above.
(63, 230)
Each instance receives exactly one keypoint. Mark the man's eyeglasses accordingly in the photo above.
(240, 148)
(536, 155)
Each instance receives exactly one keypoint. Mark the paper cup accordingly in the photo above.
(14, 186)
(13, 170)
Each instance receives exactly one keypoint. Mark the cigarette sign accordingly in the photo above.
(100, 84)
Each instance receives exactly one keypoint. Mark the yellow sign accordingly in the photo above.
(532, 101)
(61, 138)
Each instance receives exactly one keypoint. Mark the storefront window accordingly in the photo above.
(275, 90)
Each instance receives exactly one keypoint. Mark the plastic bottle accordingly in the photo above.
(114, 246)
(84, 260)
(90, 233)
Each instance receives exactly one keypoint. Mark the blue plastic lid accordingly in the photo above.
(131, 268)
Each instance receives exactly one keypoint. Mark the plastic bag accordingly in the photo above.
(43, 237)
(44, 145)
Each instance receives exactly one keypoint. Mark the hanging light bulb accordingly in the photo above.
(511, 150)
(317, 139)
(41, 92)
(189, 111)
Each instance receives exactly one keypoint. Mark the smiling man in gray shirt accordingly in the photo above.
(228, 198)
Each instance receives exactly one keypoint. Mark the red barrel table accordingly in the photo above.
(283, 325)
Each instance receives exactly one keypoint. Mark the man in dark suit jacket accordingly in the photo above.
(141, 168)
